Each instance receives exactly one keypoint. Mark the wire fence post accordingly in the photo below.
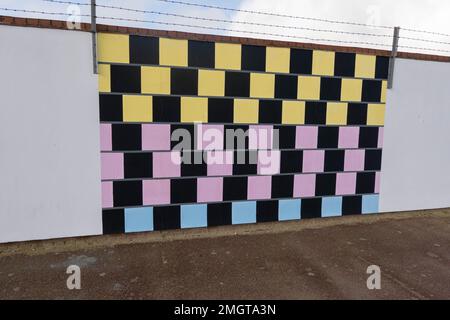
(393, 56)
(94, 35)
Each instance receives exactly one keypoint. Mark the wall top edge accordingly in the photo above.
(86, 27)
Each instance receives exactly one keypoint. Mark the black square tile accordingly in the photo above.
(220, 110)
(382, 67)
(270, 111)
(138, 165)
(371, 91)
(126, 79)
(253, 58)
(177, 134)
(126, 137)
(183, 191)
(282, 186)
(328, 137)
(113, 221)
(166, 109)
(237, 84)
(301, 61)
(235, 188)
(344, 64)
(368, 137)
(111, 107)
(334, 160)
(365, 182)
(194, 166)
(291, 161)
(326, 184)
(144, 50)
(245, 162)
(201, 54)
(372, 160)
(219, 214)
(184, 81)
(166, 218)
(236, 137)
(311, 208)
(351, 205)
(330, 89)
(315, 112)
(357, 114)
(286, 86)
(127, 193)
(267, 211)
(286, 137)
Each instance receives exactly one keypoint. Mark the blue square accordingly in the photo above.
(244, 212)
(194, 216)
(289, 209)
(332, 207)
(370, 204)
(138, 220)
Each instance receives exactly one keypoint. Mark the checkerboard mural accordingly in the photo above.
(325, 108)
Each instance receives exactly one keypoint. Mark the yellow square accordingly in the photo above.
(113, 48)
(351, 90)
(228, 56)
(365, 66)
(262, 85)
(173, 52)
(309, 88)
(375, 114)
(278, 59)
(336, 113)
(293, 112)
(246, 111)
(323, 63)
(155, 80)
(137, 108)
(104, 78)
(383, 91)
(194, 109)
(211, 83)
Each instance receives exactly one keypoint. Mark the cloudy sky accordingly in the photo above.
(430, 15)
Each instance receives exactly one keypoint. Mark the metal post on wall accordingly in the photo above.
(94, 34)
(392, 57)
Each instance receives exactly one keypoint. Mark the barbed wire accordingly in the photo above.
(422, 48)
(243, 31)
(243, 22)
(43, 12)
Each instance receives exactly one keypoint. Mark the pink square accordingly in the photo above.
(105, 137)
(210, 137)
(112, 166)
(259, 187)
(345, 183)
(220, 163)
(306, 137)
(313, 161)
(377, 182)
(209, 189)
(107, 194)
(354, 160)
(156, 192)
(166, 164)
(305, 185)
(348, 137)
(260, 137)
(380, 137)
(155, 137)
(269, 161)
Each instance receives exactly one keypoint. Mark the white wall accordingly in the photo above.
(416, 154)
(49, 135)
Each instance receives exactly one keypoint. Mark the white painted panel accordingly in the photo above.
(49, 135)
(416, 154)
